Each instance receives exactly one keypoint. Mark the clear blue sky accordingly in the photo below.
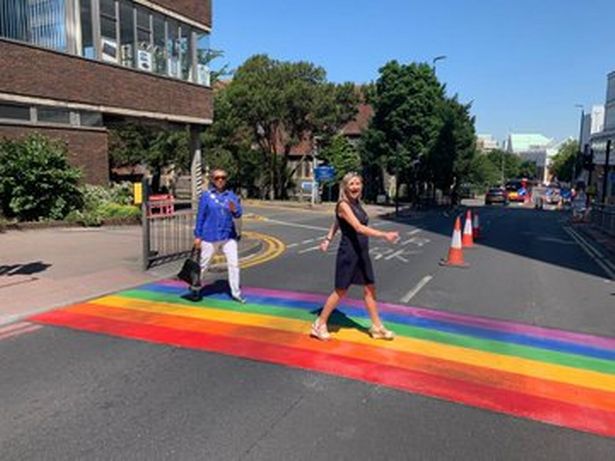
(525, 64)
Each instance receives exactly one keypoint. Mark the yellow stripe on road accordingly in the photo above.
(536, 369)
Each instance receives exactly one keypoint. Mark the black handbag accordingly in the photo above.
(191, 270)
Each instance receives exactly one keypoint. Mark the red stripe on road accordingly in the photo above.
(454, 390)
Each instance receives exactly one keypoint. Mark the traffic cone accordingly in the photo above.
(476, 227)
(455, 252)
(468, 240)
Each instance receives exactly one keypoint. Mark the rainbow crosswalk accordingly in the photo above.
(557, 377)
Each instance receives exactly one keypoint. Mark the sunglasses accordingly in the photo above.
(219, 178)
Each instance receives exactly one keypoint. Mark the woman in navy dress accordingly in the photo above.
(353, 265)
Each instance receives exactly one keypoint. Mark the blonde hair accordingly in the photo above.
(344, 185)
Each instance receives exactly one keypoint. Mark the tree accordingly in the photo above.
(342, 156)
(506, 163)
(450, 159)
(284, 104)
(36, 180)
(407, 101)
(154, 146)
(563, 163)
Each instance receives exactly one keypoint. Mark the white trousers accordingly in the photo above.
(229, 248)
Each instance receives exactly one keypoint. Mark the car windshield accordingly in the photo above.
(495, 191)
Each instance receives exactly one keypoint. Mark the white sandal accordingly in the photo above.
(319, 331)
(381, 333)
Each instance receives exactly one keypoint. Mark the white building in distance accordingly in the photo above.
(486, 143)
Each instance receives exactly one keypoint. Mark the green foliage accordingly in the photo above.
(279, 104)
(101, 203)
(450, 160)
(132, 144)
(36, 180)
(342, 156)
(407, 102)
(563, 163)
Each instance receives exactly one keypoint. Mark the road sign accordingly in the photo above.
(324, 173)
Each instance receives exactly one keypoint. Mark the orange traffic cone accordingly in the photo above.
(455, 252)
(476, 227)
(468, 240)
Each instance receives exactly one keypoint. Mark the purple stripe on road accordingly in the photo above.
(463, 319)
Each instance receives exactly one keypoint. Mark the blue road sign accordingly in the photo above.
(324, 173)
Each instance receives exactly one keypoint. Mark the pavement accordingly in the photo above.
(511, 358)
(47, 268)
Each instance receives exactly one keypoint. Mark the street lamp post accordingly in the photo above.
(579, 152)
(435, 60)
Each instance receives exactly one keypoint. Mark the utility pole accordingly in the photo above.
(605, 173)
(580, 151)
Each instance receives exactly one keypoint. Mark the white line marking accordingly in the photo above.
(592, 252)
(13, 327)
(307, 250)
(292, 245)
(21, 331)
(414, 231)
(290, 224)
(307, 241)
(419, 286)
(396, 254)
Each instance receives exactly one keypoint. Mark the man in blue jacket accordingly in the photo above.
(215, 228)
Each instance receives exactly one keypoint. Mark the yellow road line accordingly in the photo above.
(536, 369)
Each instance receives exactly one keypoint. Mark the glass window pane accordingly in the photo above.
(107, 7)
(53, 115)
(203, 58)
(107, 27)
(87, 40)
(173, 49)
(127, 34)
(41, 22)
(91, 119)
(160, 55)
(14, 112)
(185, 45)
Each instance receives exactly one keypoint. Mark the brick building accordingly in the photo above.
(70, 68)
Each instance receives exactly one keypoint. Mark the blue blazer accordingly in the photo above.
(214, 220)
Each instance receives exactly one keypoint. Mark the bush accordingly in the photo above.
(36, 180)
(122, 193)
(116, 210)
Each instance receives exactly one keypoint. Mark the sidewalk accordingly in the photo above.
(49, 268)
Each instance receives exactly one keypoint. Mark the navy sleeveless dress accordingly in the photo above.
(353, 265)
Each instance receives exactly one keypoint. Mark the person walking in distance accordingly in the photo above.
(215, 228)
(353, 265)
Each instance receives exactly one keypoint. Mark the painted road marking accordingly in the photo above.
(307, 250)
(307, 241)
(292, 224)
(553, 376)
(419, 286)
(592, 252)
(17, 329)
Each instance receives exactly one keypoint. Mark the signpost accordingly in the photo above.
(322, 174)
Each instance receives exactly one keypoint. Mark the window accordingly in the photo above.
(144, 40)
(185, 48)
(173, 49)
(14, 112)
(108, 31)
(41, 22)
(127, 34)
(91, 119)
(203, 57)
(87, 37)
(53, 115)
(159, 51)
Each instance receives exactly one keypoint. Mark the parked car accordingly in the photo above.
(496, 195)
(515, 191)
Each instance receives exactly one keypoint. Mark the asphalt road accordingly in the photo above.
(74, 395)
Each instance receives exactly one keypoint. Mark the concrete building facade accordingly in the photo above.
(72, 67)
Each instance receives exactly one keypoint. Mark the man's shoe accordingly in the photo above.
(240, 299)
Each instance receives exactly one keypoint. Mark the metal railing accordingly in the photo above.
(168, 231)
(603, 217)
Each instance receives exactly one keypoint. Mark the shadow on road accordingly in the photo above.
(524, 232)
(24, 269)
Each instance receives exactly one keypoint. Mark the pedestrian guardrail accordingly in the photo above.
(168, 230)
(603, 217)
